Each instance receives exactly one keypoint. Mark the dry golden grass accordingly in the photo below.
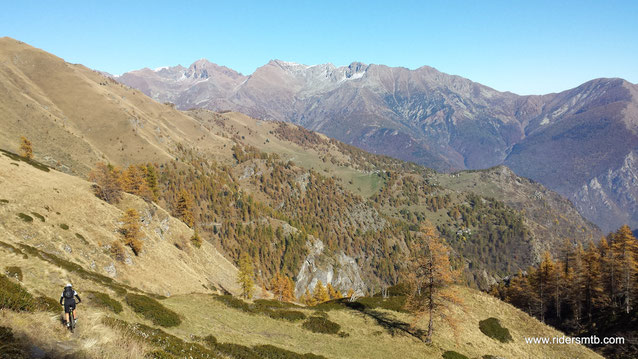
(367, 339)
(91, 339)
(64, 199)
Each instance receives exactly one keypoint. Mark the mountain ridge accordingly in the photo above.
(446, 122)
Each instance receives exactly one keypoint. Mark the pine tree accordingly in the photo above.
(350, 293)
(624, 250)
(245, 276)
(26, 148)
(131, 230)
(431, 278)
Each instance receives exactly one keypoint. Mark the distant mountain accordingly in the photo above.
(581, 142)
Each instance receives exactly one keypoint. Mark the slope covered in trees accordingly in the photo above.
(584, 290)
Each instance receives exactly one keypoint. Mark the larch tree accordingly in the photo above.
(592, 278)
(624, 248)
(542, 280)
(108, 182)
(245, 276)
(184, 208)
(431, 279)
(320, 293)
(26, 148)
(609, 270)
(131, 230)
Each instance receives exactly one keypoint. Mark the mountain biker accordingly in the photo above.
(68, 296)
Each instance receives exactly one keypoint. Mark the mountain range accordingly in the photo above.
(581, 142)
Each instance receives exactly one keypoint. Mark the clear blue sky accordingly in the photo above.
(520, 46)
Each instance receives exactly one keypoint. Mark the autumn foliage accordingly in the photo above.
(431, 278)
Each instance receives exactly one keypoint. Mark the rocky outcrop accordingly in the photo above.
(338, 269)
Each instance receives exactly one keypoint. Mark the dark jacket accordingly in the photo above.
(64, 300)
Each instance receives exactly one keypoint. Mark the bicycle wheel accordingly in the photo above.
(71, 322)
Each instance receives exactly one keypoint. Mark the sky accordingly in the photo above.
(526, 47)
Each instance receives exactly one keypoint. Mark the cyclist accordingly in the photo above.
(68, 300)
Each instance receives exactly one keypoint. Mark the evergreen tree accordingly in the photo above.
(245, 276)
(26, 148)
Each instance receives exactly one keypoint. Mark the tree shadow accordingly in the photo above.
(391, 324)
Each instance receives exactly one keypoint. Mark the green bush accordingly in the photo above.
(103, 300)
(9, 346)
(450, 354)
(169, 346)
(271, 308)
(64, 226)
(25, 217)
(46, 304)
(153, 310)
(13, 296)
(321, 325)
(273, 352)
(14, 272)
(4, 201)
(81, 237)
(289, 315)
(38, 216)
(493, 329)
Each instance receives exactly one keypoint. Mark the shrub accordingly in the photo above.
(321, 325)
(273, 352)
(450, 354)
(14, 272)
(289, 315)
(64, 226)
(47, 304)
(396, 304)
(9, 346)
(117, 251)
(153, 310)
(25, 217)
(38, 216)
(493, 329)
(103, 300)
(4, 201)
(13, 296)
(81, 237)
(169, 345)
(30, 161)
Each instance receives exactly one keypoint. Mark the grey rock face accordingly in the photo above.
(341, 271)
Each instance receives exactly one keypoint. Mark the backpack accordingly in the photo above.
(68, 293)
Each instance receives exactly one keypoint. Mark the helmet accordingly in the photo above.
(68, 285)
